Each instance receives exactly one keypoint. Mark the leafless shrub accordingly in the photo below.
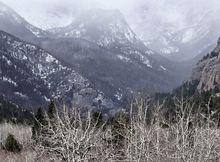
(71, 137)
(184, 140)
(192, 136)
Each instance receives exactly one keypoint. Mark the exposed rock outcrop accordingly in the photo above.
(207, 71)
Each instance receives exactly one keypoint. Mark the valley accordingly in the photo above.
(132, 82)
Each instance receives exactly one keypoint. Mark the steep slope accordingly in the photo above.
(177, 29)
(113, 73)
(104, 49)
(108, 29)
(12, 113)
(14, 24)
(207, 71)
(104, 27)
(30, 76)
(200, 94)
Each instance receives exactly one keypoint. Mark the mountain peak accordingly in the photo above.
(103, 27)
(13, 23)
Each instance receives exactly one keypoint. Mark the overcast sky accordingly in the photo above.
(38, 12)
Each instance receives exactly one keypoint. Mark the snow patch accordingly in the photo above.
(47, 99)
(24, 57)
(147, 62)
(34, 30)
(126, 59)
(119, 96)
(8, 61)
(20, 95)
(50, 59)
(169, 50)
(163, 68)
(9, 80)
(187, 36)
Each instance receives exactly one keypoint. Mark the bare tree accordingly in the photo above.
(71, 137)
(186, 139)
(192, 136)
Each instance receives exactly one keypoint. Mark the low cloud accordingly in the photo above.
(169, 11)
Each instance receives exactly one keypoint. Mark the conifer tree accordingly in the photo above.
(52, 111)
(12, 145)
(39, 121)
(40, 116)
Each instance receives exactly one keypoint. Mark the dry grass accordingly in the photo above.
(72, 138)
(188, 139)
(185, 140)
(23, 134)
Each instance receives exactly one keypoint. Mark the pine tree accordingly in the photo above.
(40, 116)
(12, 145)
(40, 120)
(52, 111)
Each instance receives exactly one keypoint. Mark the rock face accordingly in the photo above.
(30, 76)
(207, 71)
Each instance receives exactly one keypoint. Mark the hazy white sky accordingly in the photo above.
(172, 11)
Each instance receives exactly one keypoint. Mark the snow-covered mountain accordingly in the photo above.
(176, 29)
(111, 72)
(30, 76)
(103, 47)
(104, 27)
(179, 30)
(100, 48)
(13, 23)
(109, 29)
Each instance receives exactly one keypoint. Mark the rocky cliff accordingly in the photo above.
(207, 71)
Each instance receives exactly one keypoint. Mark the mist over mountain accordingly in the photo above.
(116, 80)
(121, 48)
(179, 30)
(103, 47)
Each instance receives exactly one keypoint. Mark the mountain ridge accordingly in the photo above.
(13, 23)
(31, 76)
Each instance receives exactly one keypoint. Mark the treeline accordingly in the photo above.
(128, 136)
(210, 55)
(203, 102)
(12, 113)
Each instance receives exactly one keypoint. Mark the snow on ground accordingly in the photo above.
(9, 80)
(126, 59)
(20, 94)
(163, 68)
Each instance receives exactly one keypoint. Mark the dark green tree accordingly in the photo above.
(40, 120)
(97, 119)
(52, 111)
(119, 123)
(12, 145)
